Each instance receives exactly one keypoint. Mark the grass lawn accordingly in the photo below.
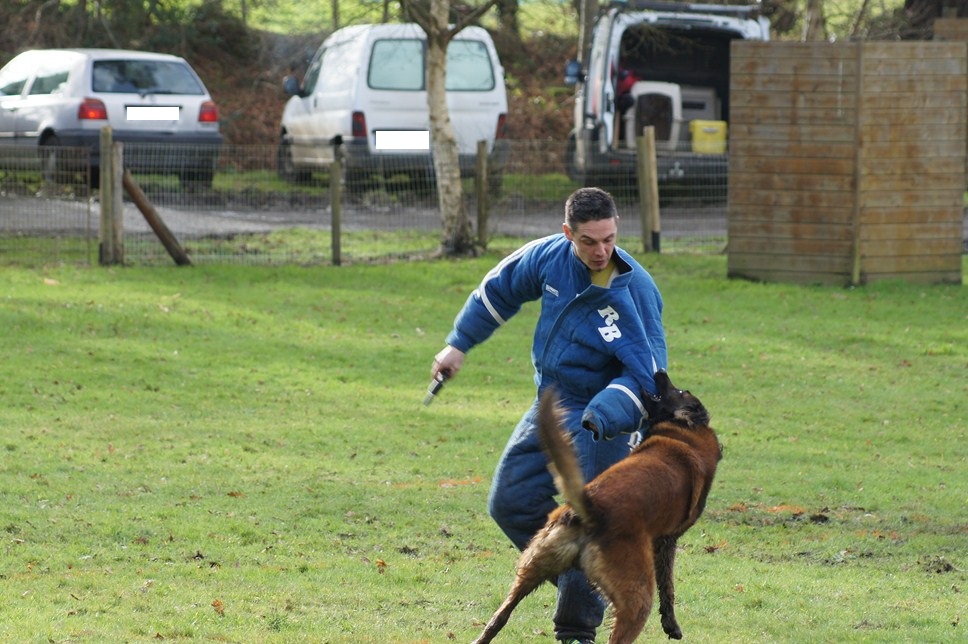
(240, 454)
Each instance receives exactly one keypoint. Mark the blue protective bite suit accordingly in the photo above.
(599, 347)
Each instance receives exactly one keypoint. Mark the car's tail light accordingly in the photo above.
(92, 109)
(208, 112)
(502, 126)
(359, 125)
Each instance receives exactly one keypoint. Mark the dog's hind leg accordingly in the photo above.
(552, 551)
(625, 576)
(665, 557)
(500, 617)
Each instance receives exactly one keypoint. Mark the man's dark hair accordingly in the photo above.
(589, 204)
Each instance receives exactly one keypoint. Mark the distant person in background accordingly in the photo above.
(625, 78)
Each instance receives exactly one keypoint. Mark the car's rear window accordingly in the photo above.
(399, 64)
(144, 76)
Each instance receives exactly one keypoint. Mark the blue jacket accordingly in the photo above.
(598, 346)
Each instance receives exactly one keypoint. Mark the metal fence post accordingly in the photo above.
(336, 201)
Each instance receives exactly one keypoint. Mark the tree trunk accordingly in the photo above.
(814, 23)
(456, 237)
(508, 14)
(858, 19)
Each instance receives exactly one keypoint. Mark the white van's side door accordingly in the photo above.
(325, 107)
(599, 89)
(335, 95)
(299, 114)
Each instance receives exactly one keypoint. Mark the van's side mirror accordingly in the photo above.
(290, 85)
(574, 74)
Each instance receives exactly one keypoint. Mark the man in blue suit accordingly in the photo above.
(599, 340)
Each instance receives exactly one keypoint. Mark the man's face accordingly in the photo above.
(594, 241)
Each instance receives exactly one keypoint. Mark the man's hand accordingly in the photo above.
(448, 362)
(589, 421)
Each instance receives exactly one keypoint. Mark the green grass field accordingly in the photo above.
(240, 454)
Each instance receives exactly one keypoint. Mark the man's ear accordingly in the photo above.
(567, 230)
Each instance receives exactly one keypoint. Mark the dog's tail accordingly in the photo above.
(562, 460)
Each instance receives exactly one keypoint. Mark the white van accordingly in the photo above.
(665, 65)
(365, 87)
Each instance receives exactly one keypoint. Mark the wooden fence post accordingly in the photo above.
(648, 179)
(480, 187)
(168, 240)
(111, 230)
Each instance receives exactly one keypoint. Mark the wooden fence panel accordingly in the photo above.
(847, 161)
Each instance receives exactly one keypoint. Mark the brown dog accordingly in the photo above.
(621, 528)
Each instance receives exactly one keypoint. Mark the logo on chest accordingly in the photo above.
(610, 331)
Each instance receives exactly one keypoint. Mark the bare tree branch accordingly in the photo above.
(472, 16)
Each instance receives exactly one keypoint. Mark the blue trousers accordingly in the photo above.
(522, 494)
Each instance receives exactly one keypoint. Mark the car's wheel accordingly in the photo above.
(51, 158)
(196, 178)
(60, 167)
(285, 167)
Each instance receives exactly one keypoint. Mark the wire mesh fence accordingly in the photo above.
(249, 212)
(46, 213)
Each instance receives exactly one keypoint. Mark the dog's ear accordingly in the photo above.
(691, 412)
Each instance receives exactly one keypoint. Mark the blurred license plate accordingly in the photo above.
(152, 113)
(402, 140)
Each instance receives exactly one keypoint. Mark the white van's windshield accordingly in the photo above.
(398, 64)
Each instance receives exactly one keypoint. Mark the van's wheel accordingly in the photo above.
(285, 167)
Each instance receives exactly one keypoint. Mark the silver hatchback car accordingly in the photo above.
(154, 103)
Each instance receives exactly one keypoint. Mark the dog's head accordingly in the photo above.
(674, 405)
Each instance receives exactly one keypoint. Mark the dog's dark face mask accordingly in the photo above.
(675, 405)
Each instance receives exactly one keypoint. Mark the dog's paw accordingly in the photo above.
(671, 628)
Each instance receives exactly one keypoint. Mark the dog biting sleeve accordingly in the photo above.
(616, 410)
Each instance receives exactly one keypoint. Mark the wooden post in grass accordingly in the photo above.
(648, 179)
(111, 230)
(167, 239)
(480, 186)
